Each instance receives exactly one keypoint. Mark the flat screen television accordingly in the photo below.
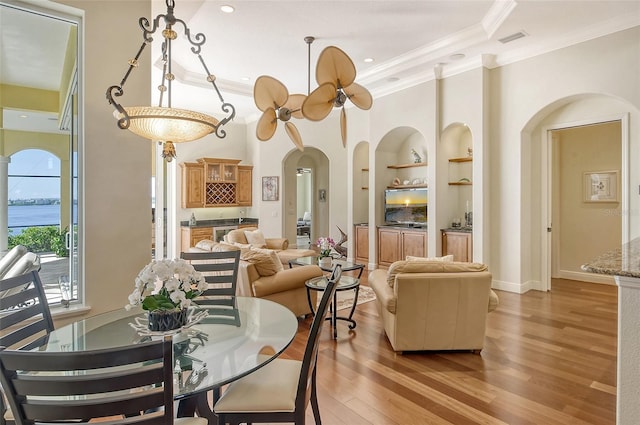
(406, 206)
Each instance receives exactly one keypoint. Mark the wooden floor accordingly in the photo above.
(549, 358)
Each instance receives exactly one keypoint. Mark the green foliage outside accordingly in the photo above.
(41, 239)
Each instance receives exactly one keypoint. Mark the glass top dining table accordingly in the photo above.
(233, 340)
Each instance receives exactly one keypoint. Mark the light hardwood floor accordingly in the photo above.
(549, 358)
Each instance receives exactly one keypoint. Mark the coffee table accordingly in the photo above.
(347, 266)
(345, 283)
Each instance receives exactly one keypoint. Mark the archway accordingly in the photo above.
(317, 163)
(537, 177)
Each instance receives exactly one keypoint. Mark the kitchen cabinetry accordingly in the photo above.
(244, 188)
(362, 243)
(190, 236)
(457, 243)
(216, 182)
(395, 244)
(192, 185)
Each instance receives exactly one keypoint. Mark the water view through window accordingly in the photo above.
(34, 190)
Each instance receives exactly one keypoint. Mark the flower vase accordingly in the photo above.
(167, 320)
(324, 262)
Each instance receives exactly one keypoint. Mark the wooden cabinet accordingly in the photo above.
(216, 182)
(395, 244)
(458, 244)
(192, 185)
(362, 244)
(190, 236)
(244, 189)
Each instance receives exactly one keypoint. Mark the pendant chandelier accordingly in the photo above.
(164, 123)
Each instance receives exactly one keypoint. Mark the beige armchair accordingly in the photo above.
(280, 245)
(262, 274)
(434, 305)
(285, 287)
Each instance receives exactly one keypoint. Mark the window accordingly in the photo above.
(42, 143)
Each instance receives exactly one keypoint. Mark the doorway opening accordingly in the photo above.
(304, 206)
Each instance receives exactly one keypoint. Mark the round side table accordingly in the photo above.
(345, 283)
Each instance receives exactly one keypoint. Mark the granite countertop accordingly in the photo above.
(458, 229)
(219, 222)
(623, 261)
(405, 226)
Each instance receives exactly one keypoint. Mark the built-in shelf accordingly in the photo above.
(415, 164)
(464, 159)
(365, 188)
(408, 186)
(365, 169)
(460, 183)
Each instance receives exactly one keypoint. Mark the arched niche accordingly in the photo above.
(394, 149)
(455, 175)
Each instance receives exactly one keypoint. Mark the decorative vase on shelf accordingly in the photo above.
(167, 320)
(324, 262)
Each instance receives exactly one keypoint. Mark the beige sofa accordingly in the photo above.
(434, 305)
(280, 245)
(262, 274)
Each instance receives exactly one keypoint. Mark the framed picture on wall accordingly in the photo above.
(601, 186)
(270, 189)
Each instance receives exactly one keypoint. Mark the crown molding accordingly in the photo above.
(497, 14)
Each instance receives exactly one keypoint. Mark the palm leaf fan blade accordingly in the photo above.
(267, 123)
(269, 93)
(294, 135)
(343, 127)
(334, 66)
(294, 104)
(359, 96)
(319, 103)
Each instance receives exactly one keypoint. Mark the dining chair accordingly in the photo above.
(26, 318)
(281, 390)
(132, 384)
(220, 270)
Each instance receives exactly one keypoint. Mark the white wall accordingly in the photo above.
(524, 93)
(117, 163)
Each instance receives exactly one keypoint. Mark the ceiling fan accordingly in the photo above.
(273, 99)
(335, 74)
(275, 102)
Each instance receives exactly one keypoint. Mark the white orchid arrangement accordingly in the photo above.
(166, 285)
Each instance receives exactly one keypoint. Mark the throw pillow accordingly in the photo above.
(445, 259)
(262, 260)
(274, 257)
(206, 244)
(255, 238)
(224, 247)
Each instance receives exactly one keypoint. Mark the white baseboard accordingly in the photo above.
(518, 288)
(587, 277)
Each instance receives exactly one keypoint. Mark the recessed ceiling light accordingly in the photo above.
(227, 8)
(457, 56)
(369, 60)
(245, 78)
(23, 116)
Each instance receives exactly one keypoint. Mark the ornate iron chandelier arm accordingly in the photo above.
(211, 78)
(226, 107)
